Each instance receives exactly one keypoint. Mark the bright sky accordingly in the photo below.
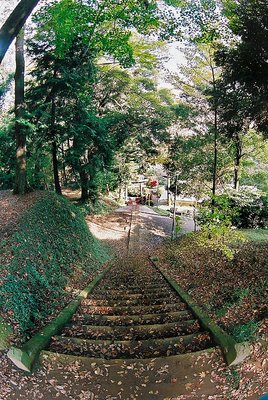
(176, 56)
(175, 59)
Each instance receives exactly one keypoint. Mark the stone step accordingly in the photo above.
(131, 349)
(131, 302)
(129, 320)
(141, 287)
(127, 310)
(137, 332)
(132, 293)
(128, 296)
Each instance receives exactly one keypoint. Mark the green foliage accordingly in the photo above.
(244, 64)
(256, 235)
(236, 297)
(245, 332)
(197, 150)
(5, 82)
(251, 209)
(7, 155)
(216, 231)
(89, 124)
(99, 207)
(233, 377)
(39, 174)
(51, 244)
(105, 27)
(217, 212)
(160, 211)
(178, 225)
(191, 158)
(202, 20)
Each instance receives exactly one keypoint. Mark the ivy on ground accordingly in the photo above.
(50, 251)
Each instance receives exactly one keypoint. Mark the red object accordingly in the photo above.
(152, 183)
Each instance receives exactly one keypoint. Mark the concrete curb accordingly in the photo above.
(25, 357)
(233, 352)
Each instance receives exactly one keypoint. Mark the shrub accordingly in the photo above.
(251, 209)
(215, 221)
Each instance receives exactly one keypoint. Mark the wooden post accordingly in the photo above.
(173, 236)
(126, 193)
(168, 191)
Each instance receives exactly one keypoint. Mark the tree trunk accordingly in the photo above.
(173, 230)
(20, 177)
(14, 23)
(236, 175)
(64, 167)
(168, 191)
(37, 171)
(54, 146)
(215, 129)
(56, 168)
(238, 156)
(215, 158)
(84, 186)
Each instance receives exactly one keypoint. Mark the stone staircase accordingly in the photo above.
(132, 313)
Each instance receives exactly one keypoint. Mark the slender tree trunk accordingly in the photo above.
(215, 157)
(215, 129)
(20, 135)
(54, 146)
(14, 23)
(238, 156)
(64, 174)
(56, 167)
(194, 218)
(168, 191)
(64, 167)
(236, 176)
(37, 170)
(173, 235)
(84, 179)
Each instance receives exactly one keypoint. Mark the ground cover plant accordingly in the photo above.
(46, 258)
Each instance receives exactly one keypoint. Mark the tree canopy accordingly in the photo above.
(93, 98)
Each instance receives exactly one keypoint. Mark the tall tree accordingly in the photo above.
(65, 75)
(244, 64)
(20, 134)
(234, 122)
(197, 81)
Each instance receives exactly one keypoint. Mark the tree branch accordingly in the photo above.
(16, 20)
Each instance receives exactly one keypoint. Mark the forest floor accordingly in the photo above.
(160, 379)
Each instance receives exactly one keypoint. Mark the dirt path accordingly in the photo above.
(152, 227)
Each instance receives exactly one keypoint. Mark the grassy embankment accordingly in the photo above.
(234, 292)
(256, 235)
(45, 261)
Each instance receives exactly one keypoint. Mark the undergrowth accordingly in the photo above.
(98, 207)
(160, 211)
(51, 247)
(245, 332)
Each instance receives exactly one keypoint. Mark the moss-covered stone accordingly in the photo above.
(5, 332)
